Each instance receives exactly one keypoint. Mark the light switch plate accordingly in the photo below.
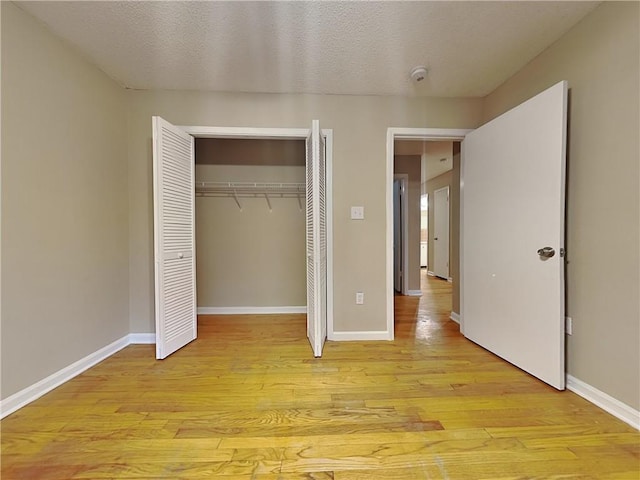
(357, 213)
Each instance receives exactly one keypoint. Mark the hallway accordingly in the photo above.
(426, 318)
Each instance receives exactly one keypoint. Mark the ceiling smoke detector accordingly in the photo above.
(418, 74)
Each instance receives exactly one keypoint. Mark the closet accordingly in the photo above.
(252, 256)
(250, 225)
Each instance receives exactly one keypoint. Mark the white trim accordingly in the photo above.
(245, 132)
(250, 310)
(142, 338)
(605, 401)
(389, 235)
(455, 317)
(328, 158)
(38, 389)
(414, 293)
(355, 336)
(450, 279)
(433, 134)
(288, 133)
(407, 134)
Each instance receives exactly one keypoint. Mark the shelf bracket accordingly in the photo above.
(235, 197)
(266, 197)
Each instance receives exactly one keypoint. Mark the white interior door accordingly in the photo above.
(424, 230)
(397, 235)
(513, 208)
(173, 181)
(316, 240)
(441, 232)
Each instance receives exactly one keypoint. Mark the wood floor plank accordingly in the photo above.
(338, 463)
(353, 439)
(247, 400)
(177, 470)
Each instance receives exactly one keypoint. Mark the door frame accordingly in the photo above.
(403, 178)
(425, 134)
(259, 133)
(435, 210)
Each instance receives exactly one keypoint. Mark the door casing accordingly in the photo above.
(393, 134)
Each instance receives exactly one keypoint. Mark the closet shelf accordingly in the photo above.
(237, 190)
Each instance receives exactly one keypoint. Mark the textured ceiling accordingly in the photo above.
(341, 47)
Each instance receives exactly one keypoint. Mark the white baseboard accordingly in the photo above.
(455, 317)
(432, 274)
(35, 391)
(355, 336)
(142, 338)
(250, 310)
(414, 293)
(606, 402)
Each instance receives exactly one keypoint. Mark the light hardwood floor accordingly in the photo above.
(247, 401)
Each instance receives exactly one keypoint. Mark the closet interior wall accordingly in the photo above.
(250, 250)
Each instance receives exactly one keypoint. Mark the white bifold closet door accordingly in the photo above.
(174, 246)
(513, 200)
(316, 241)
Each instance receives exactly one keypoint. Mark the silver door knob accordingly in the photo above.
(546, 252)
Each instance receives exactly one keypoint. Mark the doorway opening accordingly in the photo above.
(250, 226)
(408, 142)
(174, 198)
(430, 236)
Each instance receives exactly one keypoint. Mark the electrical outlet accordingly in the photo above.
(359, 298)
(357, 213)
(568, 325)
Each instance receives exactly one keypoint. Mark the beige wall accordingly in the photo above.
(251, 257)
(64, 205)
(226, 151)
(410, 164)
(360, 126)
(600, 59)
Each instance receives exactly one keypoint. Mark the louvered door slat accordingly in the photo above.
(311, 307)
